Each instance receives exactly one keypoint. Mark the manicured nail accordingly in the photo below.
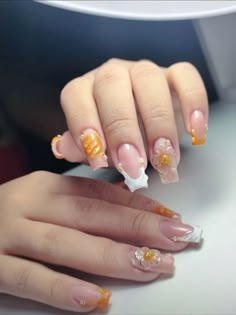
(131, 166)
(94, 149)
(164, 161)
(179, 232)
(55, 147)
(91, 296)
(166, 212)
(151, 260)
(198, 128)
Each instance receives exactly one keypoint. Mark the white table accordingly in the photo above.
(205, 278)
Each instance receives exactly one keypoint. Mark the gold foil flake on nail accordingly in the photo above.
(165, 160)
(147, 257)
(166, 212)
(92, 145)
(197, 141)
(54, 147)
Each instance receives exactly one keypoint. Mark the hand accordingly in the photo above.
(132, 111)
(84, 224)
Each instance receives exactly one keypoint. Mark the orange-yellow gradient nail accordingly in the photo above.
(94, 149)
(166, 212)
(89, 295)
(55, 147)
(198, 128)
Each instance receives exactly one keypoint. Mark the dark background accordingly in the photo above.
(44, 46)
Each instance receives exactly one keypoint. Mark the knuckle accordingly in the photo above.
(108, 74)
(156, 114)
(117, 126)
(73, 86)
(143, 69)
(84, 210)
(114, 60)
(178, 67)
(107, 256)
(139, 223)
(50, 242)
(53, 287)
(23, 279)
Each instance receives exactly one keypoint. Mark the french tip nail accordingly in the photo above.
(198, 128)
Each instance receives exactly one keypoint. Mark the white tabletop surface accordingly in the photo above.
(205, 278)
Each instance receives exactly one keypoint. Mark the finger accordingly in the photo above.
(186, 81)
(33, 281)
(83, 120)
(78, 186)
(74, 249)
(122, 223)
(64, 147)
(116, 106)
(153, 98)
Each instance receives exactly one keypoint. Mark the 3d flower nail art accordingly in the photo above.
(147, 257)
(164, 161)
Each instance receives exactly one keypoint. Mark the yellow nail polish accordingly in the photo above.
(54, 146)
(92, 144)
(166, 212)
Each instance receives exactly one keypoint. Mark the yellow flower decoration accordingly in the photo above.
(147, 257)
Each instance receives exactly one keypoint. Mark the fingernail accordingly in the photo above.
(198, 128)
(179, 232)
(131, 166)
(55, 147)
(94, 149)
(166, 212)
(164, 161)
(91, 296)
(151, 260)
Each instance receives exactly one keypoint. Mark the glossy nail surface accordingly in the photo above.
(94, 149)
(55, 147)
(164, 160)
(198, 128)
(91, 296)
(131, 166)
(179, 232)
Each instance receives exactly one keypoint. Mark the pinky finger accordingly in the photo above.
(33, 281)
(64, 147)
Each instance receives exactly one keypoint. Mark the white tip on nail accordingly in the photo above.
(135, 183)
(193, 237)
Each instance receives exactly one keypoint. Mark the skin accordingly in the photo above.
(62, 215)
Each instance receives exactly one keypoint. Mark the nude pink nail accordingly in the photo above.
(131, 166)
(88, 295)
(179, 232)
(198, 128)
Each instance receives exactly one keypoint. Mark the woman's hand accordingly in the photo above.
(125, 113)
(84, 224)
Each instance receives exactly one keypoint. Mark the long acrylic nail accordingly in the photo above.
(179, 232)
(198, 128)
(91, 296)
(151, 260)
(55, 147)
(131, 166)
(94, 149)
(164, 161)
